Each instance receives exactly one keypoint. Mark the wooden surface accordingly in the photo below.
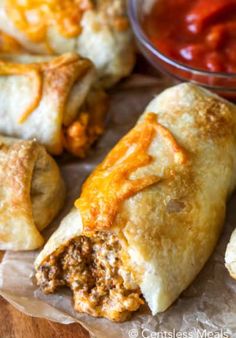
(14, 324)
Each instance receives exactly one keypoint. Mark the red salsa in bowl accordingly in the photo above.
(190, 40)
(199, 33)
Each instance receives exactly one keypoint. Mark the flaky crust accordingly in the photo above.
(31, 192)
(167, 229)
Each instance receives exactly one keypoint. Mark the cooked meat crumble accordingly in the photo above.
(92, 268)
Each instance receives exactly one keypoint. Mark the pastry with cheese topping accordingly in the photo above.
(149, 216)
(52, 99)
(96, 29)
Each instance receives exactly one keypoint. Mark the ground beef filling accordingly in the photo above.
(92, 268)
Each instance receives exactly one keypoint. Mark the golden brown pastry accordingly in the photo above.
(96, 29)
(48, 98)
(150, 215)
(31, 193)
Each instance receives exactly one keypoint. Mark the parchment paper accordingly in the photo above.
(208, 304)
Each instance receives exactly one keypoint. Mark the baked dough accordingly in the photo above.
(98, 30)
(31, 193)
(150, 215)
(49, 98)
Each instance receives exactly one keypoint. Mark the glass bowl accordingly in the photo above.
(223, 84)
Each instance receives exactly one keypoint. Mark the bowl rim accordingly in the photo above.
(143, 38)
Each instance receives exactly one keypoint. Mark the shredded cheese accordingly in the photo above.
(34, 17)
(8, 44)
(35, 71)
(109, 185)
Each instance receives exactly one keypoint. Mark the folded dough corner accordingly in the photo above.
(51, 99)
(97, 30)
(150, 214)
(31, 193)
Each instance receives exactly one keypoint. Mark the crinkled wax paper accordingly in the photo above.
(208, 305)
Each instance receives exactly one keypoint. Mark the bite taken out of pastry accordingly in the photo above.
(58, 103)
(150, 214)
(32, 192)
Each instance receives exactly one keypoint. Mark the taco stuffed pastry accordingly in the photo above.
(53, 100)
(150, 214)
(98, 30)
